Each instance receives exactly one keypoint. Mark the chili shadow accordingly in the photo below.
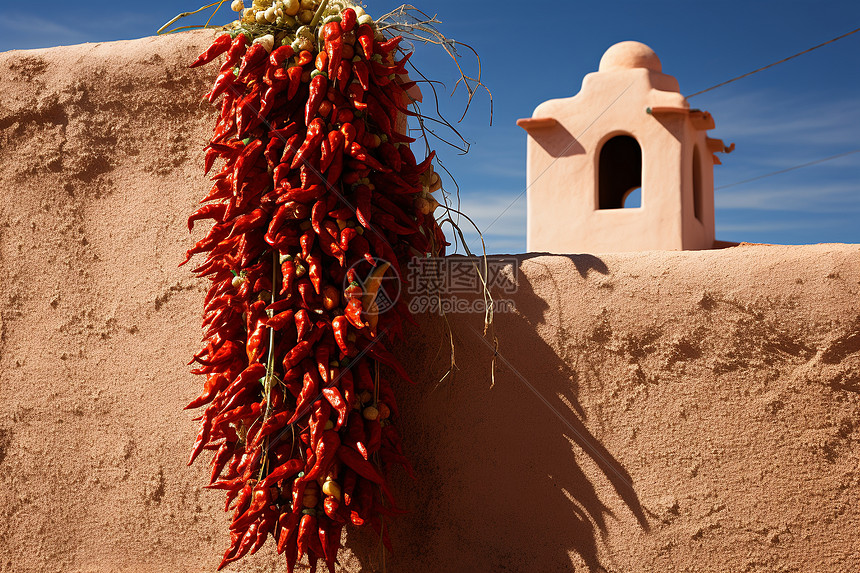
(501, 479)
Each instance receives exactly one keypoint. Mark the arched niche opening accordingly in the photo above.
(697, 183)
(619, 172)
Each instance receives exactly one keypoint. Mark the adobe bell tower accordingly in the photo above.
(628, 128)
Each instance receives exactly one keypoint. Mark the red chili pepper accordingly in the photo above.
(290, 148)
(387, 47)
(295, 75)
(271, 425)
(316, 93)
(321, 61)
(347, 20)
(362, 74)
(245, 545)
(247, 114)
(316, 133)
(331, 507)
(382, 71)
(378, 115)
(356, 96)
(353, 313)
(214, 383)
(383, 355)
(220, 190)
(363, 499)
(248, 221)
(325, 451)
(282, 472)
(335, 169)
(358, 152)
(253, 151)
(307, 243)
(203, 434)
(259, 500)
(321, 355)
(364, 34)
(389, 222)
(288, 274)
(222, 456)
(268, 99)
(267, 525)
(303, 323)
(245, 411)
(235, 52)
(243, 500)
(304, 58)
(281, 320)
(250, 375)
(307, 528)
(318, 213)
(382, 532)
(346, 236)
(308, 394)
(332, 145)
(390, 155)
(315, 271)
(224, 80)
(289, 523)
(344, 73)
(332, 35)
(349, 133)
(236, 539)
(254, 57)
(284, 212)
(343, 213)
(424, 165)
(319, 418)
(218, 47)
(337, 402)
(340, 328)
(329, 241)
(280, 54)
(362, 205)
(310, 299)
(300, 351)
(225, 354)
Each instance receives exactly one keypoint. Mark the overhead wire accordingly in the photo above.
(817, 161)
(719, 85)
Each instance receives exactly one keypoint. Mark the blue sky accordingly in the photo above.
(801, 111)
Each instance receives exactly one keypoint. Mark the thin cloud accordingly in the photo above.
(22, 28)
(757, 227)
(507, 235)
(833, 197)
(803, 121)
(22, 31)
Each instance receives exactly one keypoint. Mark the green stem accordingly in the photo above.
(185, 15)
(270, 362)
(318, 14)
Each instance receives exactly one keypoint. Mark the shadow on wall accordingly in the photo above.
(506, 471)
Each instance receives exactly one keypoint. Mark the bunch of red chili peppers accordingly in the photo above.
(317, 200)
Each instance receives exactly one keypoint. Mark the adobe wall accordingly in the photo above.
(661, 411)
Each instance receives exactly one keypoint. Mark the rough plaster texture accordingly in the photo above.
(693, 411)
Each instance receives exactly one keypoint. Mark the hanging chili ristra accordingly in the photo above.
(316, 189)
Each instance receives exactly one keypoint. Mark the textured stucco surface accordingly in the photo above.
(659, 411)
